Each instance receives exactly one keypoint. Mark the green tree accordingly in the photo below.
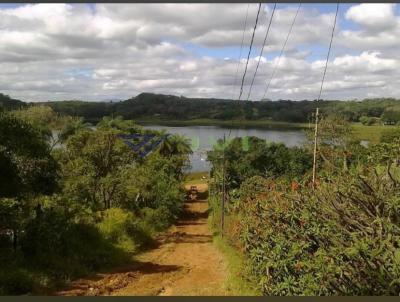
(127, 126)
(154, 184)
(93, 163)
(72, 126)
(175, 145)
(177, 149)
(27, 169)
(390, 116)
(27, 166)
(251, 156)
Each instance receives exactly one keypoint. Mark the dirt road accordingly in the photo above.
(185, 263)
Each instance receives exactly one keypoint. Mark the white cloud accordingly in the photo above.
(379, 28)
(65, 51)
(374, 16)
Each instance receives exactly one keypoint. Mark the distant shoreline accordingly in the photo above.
(225, 123)
(368, 133)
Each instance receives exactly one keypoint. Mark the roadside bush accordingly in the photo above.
(124, 230)
(154, 184)
(342, 238)
(15, 282)
(64, 249)
(157, 220)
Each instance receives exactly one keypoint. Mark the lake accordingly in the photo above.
(203, 138)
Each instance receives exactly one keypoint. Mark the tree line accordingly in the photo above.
(159, 106)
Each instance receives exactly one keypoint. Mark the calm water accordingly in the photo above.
(204, 137)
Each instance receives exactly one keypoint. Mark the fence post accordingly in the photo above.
(315, 149)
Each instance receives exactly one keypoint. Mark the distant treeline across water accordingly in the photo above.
(147, 106)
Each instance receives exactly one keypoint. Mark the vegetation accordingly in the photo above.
(74, 199)
(8, 103)
(250, 156)
(371, 133)
(169, 108)
(339, 237)
(236, 280)
(369, 117)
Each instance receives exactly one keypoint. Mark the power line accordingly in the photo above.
(329, 52)
(240, 56)
(248, 55)
(261, 52)
(282, 50)
(240, 53)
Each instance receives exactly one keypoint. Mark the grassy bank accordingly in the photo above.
(235, 281)
(370, 133)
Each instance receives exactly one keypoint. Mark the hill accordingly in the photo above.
(10, 104)
(171, 107)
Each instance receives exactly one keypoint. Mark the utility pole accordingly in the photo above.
(223, 190)
(315, 148)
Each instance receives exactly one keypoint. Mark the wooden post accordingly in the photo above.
(315, 148)
(223, 190)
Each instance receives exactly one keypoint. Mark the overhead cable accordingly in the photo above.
(248, 55)
(240, 53)
(261, 52)
(282, 50)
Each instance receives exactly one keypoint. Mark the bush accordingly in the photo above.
(250, 156)
(64, 249)
(340, 239)
(123, 229)
(368, 121)
(157, 220)
(16, 282)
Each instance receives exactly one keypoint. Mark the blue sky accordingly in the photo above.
(99, 51)
(316, 51)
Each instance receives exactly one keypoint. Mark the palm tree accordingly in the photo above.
(176, 145)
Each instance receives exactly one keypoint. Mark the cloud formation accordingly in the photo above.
(108, 51)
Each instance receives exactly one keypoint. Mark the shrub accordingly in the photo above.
(251, 156)
(157, 220)
(123, 229)
(341, 238)
(16, 282)
(63, 249)
(368, 121)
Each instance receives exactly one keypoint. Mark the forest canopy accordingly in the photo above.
(170, 107)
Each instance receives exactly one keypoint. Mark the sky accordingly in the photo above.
(97, 52)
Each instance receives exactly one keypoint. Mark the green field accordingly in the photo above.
(196, 178)
(370, 133)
